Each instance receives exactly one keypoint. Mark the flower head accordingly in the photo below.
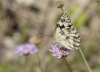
(59, 51)
(25, 49)
(59, 4)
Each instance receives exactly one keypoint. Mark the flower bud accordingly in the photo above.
(59, 4)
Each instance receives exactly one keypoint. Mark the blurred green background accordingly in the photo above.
(22, 19)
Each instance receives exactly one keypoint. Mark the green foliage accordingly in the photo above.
(97, 0)
(24, 33)
(71, 11)
(80, 21)
(8, 66)
(1, 22)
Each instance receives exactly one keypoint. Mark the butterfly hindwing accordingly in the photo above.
(65, 33)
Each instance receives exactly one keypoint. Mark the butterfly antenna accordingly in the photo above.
(45, 35)
(49, 36)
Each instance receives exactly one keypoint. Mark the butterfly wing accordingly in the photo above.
(65, 34)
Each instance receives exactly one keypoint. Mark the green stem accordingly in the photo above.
(84, 59)
(98, 3)
(62, 10)
(39, 63)
(25, 63)
(99, 10)
(67, 64)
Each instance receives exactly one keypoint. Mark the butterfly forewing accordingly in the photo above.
(65, 34)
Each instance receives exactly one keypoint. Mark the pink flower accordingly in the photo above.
(25, 49)
(59, 51)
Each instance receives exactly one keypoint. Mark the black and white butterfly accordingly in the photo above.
(65, 33)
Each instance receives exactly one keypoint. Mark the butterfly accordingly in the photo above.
(65, 33)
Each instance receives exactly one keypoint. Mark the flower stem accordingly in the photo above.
(99, 7)
(99, 10)
(62, 10)
(39, 62)
(67, 64)
(85, 59)
(25, 63)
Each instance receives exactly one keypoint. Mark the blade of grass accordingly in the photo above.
(39, 62)
(85, 59)
(67, 64)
